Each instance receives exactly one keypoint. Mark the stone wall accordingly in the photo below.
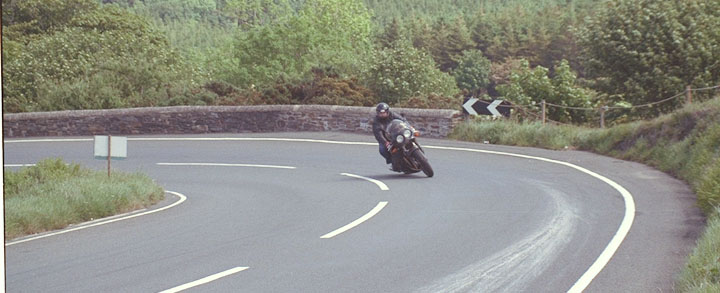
(218, 119)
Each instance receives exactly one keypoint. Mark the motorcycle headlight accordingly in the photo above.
(399, 139)
(407, 133)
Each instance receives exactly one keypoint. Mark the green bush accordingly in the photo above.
(472, 72)
(530, 86)
(323, 33)
(432, 101)
(397, 73)
(102, 58)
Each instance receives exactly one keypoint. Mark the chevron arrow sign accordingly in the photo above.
(474, 106)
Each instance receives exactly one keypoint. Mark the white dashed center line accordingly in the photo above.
(359, 221)
(205, 280)
(377, 182)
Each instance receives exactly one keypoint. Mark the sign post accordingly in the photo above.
(108, 148)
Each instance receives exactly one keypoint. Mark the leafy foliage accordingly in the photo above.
(324, 33)
(473, 71)
(531, 86)
(103, 58)
(432, 101)
(392, 33)
(174, 52)
(539, 33)
(324, 87)
(643, 51)
(23, 19)
(448, 41)
(250, 13)
(400, 72)
(176, 10)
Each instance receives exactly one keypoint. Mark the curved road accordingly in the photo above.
(309, 212)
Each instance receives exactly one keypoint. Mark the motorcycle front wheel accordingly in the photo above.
(424, 164)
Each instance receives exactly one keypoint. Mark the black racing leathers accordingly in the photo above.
(379, 126)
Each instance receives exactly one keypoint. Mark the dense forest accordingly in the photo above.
(92, 54)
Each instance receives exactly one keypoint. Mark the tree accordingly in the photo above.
(529, 86)
(448, 42)
(642, 51)
(458, 41)
(102, 58)
(472, 72)
(30, 17)
(438, 41)
(249, 13)
(420, 33)
(390, 35)
(539, 33)
(333, 33)
(343, 29)
(501, 34)
(400, 72)
(167, 11)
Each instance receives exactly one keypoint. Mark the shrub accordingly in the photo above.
(397, 73)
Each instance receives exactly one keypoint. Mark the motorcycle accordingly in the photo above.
(407, 154)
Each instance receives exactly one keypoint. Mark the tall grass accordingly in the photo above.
(702, 271)
(685, 144)
(53, 195)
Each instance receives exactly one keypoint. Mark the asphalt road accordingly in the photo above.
(258, 212)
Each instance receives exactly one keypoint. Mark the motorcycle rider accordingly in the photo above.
(383, 117)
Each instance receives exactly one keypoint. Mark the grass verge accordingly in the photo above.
(702, 271)
(685, 144)
(52, 195)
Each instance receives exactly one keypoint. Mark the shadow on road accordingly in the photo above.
(396, 176)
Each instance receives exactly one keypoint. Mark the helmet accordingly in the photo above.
(382, 108)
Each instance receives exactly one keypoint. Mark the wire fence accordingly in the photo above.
(688, 93)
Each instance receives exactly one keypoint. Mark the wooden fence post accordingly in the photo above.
(109, 152)
(543, 112)
(688, 95)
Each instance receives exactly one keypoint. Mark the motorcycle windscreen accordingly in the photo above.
(396, 127)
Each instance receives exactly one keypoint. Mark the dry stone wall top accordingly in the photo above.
(218, 119)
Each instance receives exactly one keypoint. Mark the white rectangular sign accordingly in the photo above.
(118, 147)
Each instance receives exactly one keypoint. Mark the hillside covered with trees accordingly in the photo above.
(92, 54)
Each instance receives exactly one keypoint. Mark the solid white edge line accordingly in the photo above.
(48, 140)
(226, 165)
(617, 239)
(205, 280)
(580, 285)
(379, 183)
(614, 244)
(182, 199)
(359, 221)
(198, 139)
(249, 139)
(19, 165)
